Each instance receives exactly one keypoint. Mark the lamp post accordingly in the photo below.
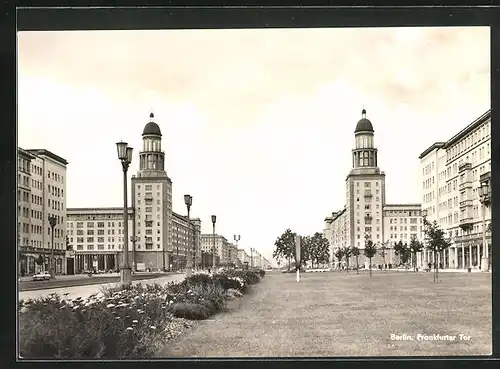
(52, 223)
(424, 217)
(214, 219)
(125, 156)
(251, 257)
(188, 200)
(237, 238)
(485, 199)
(134, 240)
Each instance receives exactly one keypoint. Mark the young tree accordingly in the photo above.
(355, 252)
(383, 250)
(339, 254)
(347, 254)
(415, 247)
(370, 250)
(436, 242)
(305, 249)
(285, 246)
(402, 251)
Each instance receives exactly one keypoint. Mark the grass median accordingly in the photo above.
(343, 314)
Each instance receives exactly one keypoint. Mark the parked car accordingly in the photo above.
(42, 276)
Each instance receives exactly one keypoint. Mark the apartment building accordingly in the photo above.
(41, 193)
(97, 237)
(452, 172)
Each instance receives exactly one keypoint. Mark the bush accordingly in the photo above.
(117, 323)
(190, 311)
(262, 273)
(113, 327)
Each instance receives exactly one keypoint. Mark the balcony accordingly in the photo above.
(465, 203)
(466, 223)
(148, 223)
(368, 217)
(368, 194)
(464, 166)
(464, 185)
(148, 196)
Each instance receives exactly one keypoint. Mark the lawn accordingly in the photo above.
(344, 314)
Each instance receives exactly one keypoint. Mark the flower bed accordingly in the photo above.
(133, 323)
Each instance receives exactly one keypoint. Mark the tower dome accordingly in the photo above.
(151, 128)
(364, 125)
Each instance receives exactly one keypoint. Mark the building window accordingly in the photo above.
(90, 224)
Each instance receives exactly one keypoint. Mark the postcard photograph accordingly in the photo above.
(321, 192)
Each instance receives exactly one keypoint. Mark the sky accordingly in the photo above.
(258, 124)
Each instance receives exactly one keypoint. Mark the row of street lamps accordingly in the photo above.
(125, 156)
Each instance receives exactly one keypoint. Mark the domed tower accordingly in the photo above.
(151, 158)
(365, 189)
(152, 203)
(364, 153)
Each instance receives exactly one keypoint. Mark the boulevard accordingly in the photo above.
(85, 290)
(80, 280)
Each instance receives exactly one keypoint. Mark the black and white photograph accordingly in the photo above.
(252, 193)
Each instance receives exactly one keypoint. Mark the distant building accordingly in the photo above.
(41, 192)
(452, 172)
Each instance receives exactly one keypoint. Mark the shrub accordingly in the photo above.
(190, 311)
(210, 305)
(98, 327)
(262, 273)
(227, 282)
(198, 278)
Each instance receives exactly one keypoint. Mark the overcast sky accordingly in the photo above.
(257, 124)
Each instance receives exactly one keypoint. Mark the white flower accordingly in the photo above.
(117, 317)
(75, 307)
(135, 321)
(152, 327)
(129, 328)
(110, 305)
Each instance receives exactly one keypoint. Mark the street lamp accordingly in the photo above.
(52, 223)
(188, 200)
(125, 156)
(214, 219)
(236, 238)
(251, 257)
(485, 199)
(424, 218)
(134, 240)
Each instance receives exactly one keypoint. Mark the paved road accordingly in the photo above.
(87, 290)
(60, 282)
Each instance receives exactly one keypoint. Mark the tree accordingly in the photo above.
(436, 242)
(285, 246)
(305, 249)
(402, 251)
(319, 248)
(370, 250)
(383, 250)
(339, 254)
(355, 252)
(415, 247)
(347, 255)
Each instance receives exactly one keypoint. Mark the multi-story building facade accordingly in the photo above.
(402, 222)
(97, 238)
(221, 247)
(181, 246)
(363, 214)
(452, 172)
(96, 235)
(41, 193)
(243, 258)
